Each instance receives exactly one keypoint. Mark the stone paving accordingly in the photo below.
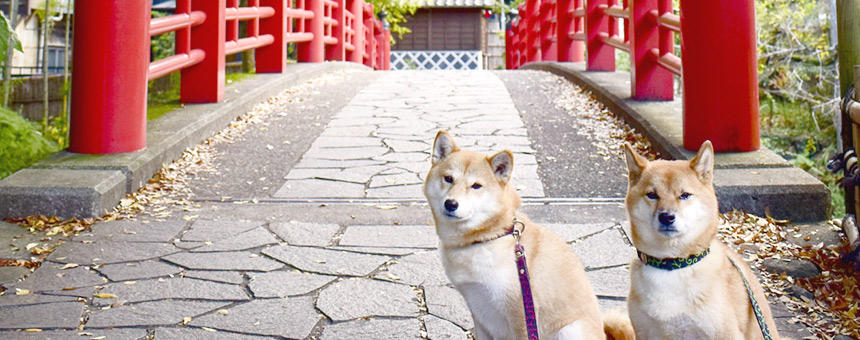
(243, 279)
(378, 145)
(283, 269)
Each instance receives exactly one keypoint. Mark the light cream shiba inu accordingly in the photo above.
(685, 284)
(474, 208)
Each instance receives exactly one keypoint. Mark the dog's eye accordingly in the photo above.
(652, 195)
(685, 195)
(476, 186)
(449, 179)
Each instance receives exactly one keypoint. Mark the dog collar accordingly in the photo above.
(672, 263)
(512, 231)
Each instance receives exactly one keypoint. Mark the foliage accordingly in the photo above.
(20, 143)
(505, 6)
(162, 45)
(798, 84)
(7, 35)
(789, 130)
(396, 13)
(797, 60)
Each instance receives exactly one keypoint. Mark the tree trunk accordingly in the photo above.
(247, 55)
(10, 52)
(45, 31)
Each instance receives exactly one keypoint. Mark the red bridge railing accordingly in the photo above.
(112, 48)
(718, 62)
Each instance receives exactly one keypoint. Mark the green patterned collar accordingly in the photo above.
(672, 263)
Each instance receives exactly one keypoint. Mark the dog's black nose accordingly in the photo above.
(451, 205)
(666, 218)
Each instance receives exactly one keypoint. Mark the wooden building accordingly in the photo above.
(446, 34)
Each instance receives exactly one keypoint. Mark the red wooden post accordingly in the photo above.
(370, 47)
(337, 51)
(509, 38)
(523, 53)
(718, 51)
(548, 24)
(204, 82)
(111, 47)
(568, 49)
(273, 58)
(649, 80)
(357, 9)
(532, 28)
(386, 50)
(232, 25)
(380, 45)
(313, 51)
(601, 57)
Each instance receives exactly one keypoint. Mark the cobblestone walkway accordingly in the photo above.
(299, 270)
(378, 145)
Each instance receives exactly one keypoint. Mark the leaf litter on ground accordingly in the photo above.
(168, 190)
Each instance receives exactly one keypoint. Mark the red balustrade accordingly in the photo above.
(112, 64)
(720, 86)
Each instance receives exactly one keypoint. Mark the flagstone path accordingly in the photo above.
(378, 145)
(291, 241)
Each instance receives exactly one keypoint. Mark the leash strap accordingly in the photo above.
(756, 309)
(525, 284)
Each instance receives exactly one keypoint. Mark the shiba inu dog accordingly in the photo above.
(686, 284)
(474, 208)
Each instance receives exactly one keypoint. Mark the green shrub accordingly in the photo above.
(20, 143)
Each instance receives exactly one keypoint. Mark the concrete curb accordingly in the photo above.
(759, 182)
(77, 185)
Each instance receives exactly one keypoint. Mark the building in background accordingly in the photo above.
(450, 34)
(28, 28)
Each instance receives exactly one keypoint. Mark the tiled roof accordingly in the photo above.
(456, 3)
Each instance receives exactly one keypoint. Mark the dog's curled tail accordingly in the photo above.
(617, 326)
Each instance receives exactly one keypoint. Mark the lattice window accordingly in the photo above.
(436, 60)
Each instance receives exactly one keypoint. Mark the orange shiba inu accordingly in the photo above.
(474, 208)
(685, 284)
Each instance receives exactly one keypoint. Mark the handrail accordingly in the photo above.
(165, 66)
(321, 29)
(670, 21)
(248, 43)
(669, 61)
(617, 11)
(594, 30)
(615, 41)
(170, 23)
(247, 13)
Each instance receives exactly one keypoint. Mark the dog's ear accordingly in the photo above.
(635, 163)
(443, 146)
(502, 164)
(703, 163)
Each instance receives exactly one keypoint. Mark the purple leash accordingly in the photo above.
(525, 284)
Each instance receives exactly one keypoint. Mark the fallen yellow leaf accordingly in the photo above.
(33, 330)
(70, 265)
(19, 291)
(105, 295)
(186, 320)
